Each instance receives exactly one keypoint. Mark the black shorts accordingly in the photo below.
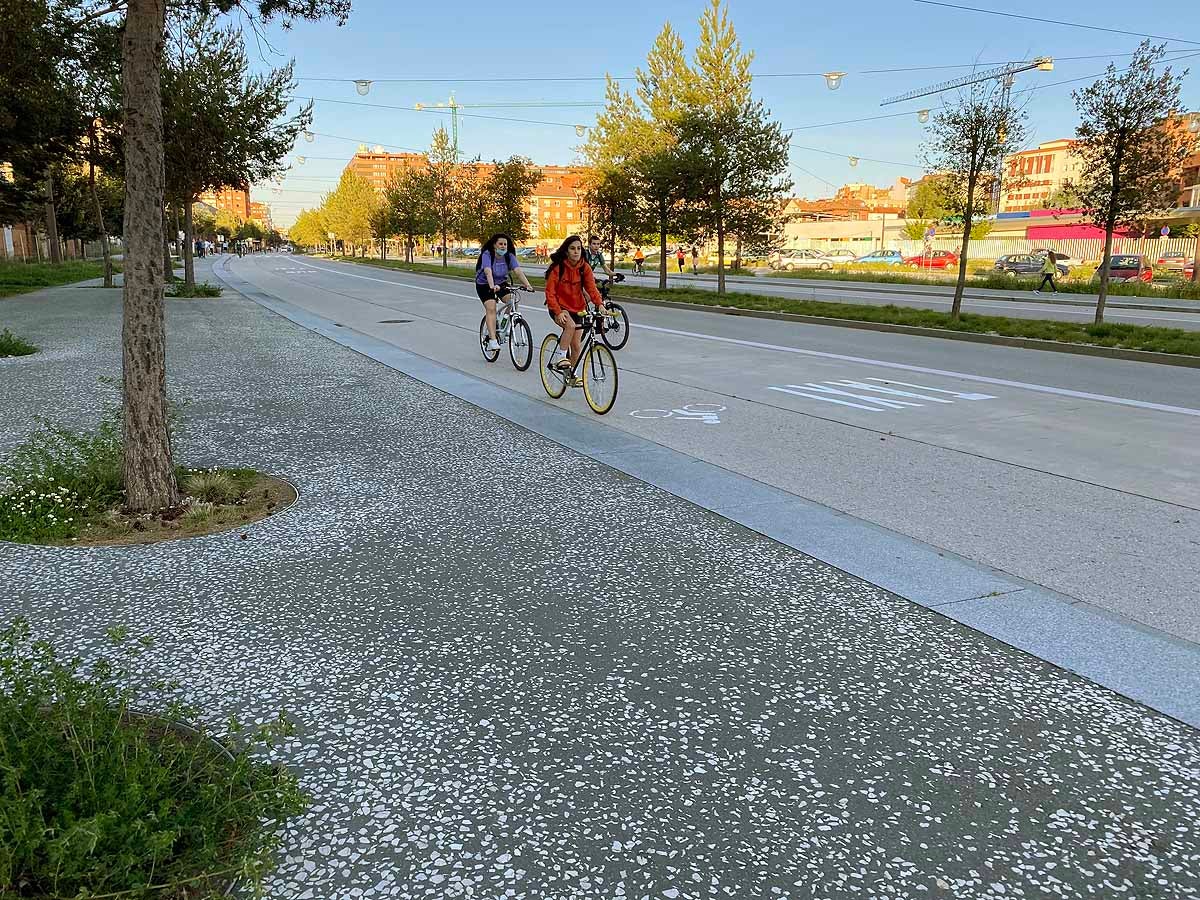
(485, 293)
(577, 318)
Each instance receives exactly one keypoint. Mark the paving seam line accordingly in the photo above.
(1135, 660)
(1144, 356)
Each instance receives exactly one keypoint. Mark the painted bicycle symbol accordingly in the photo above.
(706, 413)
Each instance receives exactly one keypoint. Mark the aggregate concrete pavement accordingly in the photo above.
(486, 709)
(1078, 475)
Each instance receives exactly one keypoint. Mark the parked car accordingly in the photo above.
(887, 257)
(802, 259)
(526, 252)
(1189, 270)
(937, 259)
(1126, 267)
(1173, 262)
(841, 256)
(1026, 264)
(1059, 257)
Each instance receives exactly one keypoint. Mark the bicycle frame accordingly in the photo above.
(586, 340)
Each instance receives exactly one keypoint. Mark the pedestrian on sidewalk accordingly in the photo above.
(695, 260)
(1049, 270)
(679, 257)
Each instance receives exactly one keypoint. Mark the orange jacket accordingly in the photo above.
(565, 287)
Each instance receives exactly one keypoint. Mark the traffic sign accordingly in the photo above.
(1165, 231)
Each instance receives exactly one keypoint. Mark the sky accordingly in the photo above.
(420, 52)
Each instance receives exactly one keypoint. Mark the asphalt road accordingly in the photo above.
(1075, 473)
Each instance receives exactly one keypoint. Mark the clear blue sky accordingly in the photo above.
(455, 42)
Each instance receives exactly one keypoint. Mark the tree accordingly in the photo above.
(511, 184)
(310, 228)
(382, 226)
(148, 468)
(1131, 142)
(409, 195)
(927, 207)
(474, 202)
(348, 210)
(445, 188)
(967, 141)
(222, 125)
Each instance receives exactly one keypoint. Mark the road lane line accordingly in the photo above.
(984, 379)
(863, 386)
(826, 399)
(820, 389)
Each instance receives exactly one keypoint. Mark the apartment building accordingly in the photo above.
(231, 199)
(1033, 177)
(376, 166)
(261, 213)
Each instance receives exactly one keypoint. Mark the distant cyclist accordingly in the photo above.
(568, 277)
(639, 261)
(497, 261)
(594, 257)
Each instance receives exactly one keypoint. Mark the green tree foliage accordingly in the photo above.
(442, 170)
(510, 187)
(1130, 142)
(222, 124)
(409, 197)
(348, 211)
(966, 142)
(75, 204)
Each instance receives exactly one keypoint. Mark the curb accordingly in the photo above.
(1143, 356)
(1137, 661)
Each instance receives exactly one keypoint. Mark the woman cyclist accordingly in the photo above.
(566, 280)
(497, 261)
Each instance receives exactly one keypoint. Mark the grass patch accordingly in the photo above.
(65, 487)
(202, 289)
(11, 345)
(1125, 337)
(102, 800)
(20, 278)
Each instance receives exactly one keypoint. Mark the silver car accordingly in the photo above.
(790, 260)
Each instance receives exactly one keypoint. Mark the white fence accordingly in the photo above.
(993, 248)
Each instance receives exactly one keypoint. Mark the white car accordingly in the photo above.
(790, 260)
(841, 256)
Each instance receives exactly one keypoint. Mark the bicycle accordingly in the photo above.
(599, 366)
(511, 328)
(616, 331)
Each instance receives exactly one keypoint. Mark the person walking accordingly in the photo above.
(679, 257)
(1049, 270)
(695, 260)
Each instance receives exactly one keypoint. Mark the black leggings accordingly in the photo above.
(1046, 276)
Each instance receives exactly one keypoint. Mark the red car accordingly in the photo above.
(1127, 267)
(938, 259)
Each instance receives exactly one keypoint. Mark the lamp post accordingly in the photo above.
(833, 80)
(363, 86)
(922, 116)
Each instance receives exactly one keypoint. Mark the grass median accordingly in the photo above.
(21, 277)
(1116, 336)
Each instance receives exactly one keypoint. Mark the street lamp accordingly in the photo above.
(853, 162)
(580, 130)
(922, 116)
(299, 160)
(1194, 123)
(362, 85)
(309, 136)
(833, 80)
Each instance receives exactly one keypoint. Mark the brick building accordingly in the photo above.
(1032, 177)
(261, 213)
(231, 199)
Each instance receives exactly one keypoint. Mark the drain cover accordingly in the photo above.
(394, 321)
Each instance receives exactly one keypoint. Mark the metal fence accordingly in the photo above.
(1087, 249)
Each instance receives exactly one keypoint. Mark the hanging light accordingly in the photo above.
(922, 116)
(833, 80)
(362, 85)
(580, 130)
(1194, 123)
(853, 161)
(309, 136)
(299, 160)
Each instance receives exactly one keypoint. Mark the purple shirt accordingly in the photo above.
(499, 267)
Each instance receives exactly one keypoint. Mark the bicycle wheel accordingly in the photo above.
(520, 344)
(489, 355)
(600, 379)
(616, 331)
(553, 381)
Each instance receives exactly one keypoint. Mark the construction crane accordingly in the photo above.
(454, 106)
(1006, 75)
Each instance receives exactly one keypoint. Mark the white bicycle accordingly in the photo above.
(511, 329)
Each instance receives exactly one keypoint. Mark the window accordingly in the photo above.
(570, 203)
(570, 216)
(545, 203)
(1049, 163)
(558, 203)
(1038, 166)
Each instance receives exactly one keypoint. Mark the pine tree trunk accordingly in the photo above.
(168, 263)
(108, 272)
(444, 260)
(189, 231)
(52, 222)
(662, 244)
(1105, 268)
(148, 471)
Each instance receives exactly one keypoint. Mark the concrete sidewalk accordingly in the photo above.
(520, 673)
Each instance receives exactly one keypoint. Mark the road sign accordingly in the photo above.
(1165, 231)
(930, 232)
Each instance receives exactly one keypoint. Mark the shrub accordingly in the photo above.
(11, 345)
(203, 289)
(87, 464)
(100, 800)
(198, 513)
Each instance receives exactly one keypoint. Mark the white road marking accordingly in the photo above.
(961, 395)
(784, 390)
(863, 386)
(692, 412)
(821, 389)
(984, 379)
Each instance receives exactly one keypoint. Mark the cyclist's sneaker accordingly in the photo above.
(493, 345)
(575, 382)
